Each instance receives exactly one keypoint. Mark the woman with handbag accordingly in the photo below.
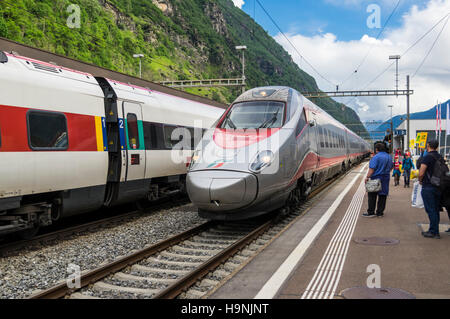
(377, 181)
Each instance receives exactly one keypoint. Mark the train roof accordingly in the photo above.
(268, 93)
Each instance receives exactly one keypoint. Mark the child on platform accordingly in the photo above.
(397, 172)
(407, 165)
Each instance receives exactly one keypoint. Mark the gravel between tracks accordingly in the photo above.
(42, 266)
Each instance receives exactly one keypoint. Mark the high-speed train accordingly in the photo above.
(268, 150)
(71, 142)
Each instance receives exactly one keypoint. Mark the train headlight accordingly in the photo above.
(263, 160)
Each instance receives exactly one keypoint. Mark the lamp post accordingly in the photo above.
(242, 48)
(139, 56)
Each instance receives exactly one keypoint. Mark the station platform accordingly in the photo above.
(332, 252)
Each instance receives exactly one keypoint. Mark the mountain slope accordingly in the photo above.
(181, 39)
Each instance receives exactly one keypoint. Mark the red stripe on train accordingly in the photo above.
(310, 163)
(14, 133)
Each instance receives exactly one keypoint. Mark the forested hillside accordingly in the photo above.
(181, 39)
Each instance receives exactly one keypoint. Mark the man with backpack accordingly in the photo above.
(433, 176)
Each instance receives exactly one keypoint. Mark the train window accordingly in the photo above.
(295, 104)
(170, 138)
(188, 138)
(326, 137)
(301, 124)
(322, 143)
(150, 136)
(331, 140)
(47, 131)
(132, 131)
(255, 115)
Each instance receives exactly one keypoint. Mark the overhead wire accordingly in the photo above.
(370, 49)
(431, 49)
(295, 48)
(403, 54)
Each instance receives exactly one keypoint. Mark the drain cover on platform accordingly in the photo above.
(375, 293)
(377, 241)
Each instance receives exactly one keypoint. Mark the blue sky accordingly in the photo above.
(345, 18)
(334, 36)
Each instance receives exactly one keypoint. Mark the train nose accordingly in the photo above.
(221, 190)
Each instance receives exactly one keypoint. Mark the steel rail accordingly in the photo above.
(184, 283)
(64, 232)
(191, 278)
(62, 289)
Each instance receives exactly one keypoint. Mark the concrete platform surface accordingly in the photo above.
(335, 261)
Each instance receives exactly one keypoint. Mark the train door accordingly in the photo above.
(134, 141)
(315, 142)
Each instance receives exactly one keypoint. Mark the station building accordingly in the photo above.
(420, 122)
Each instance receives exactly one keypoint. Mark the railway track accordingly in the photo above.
(189, 265)
(12, 246)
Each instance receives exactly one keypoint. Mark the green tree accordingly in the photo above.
(3, 28)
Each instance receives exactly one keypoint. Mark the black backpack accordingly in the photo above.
(441, 176)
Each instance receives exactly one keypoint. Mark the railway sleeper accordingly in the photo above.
(209, 252)
(184, 256)
(104, 287)
(220, 273)
(127, 277)
(153, 260)
(205, 246)
(194, 294)
(208, 241)
(154, 270)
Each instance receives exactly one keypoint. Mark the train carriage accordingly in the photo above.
(71, 142)
(270, 148)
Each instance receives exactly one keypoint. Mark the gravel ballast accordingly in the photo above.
(27, 271)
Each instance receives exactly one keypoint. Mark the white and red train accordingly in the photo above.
(270, 148)
(71, 142)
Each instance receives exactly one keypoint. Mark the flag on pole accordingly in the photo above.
(447, 125)
(437, 118)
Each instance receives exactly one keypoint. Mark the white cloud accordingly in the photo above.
(336, 60)
(238, 3)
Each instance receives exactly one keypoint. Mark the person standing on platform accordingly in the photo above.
(379, 168)
(431, 194)
(388, 141)
(397, 172)
(407, 165)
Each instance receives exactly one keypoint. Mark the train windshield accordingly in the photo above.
(255, 115)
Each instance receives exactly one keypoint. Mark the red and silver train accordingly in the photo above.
(268, 150)
(71, 142)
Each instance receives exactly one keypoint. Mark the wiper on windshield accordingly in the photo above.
(230, 122)
(271, 120)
